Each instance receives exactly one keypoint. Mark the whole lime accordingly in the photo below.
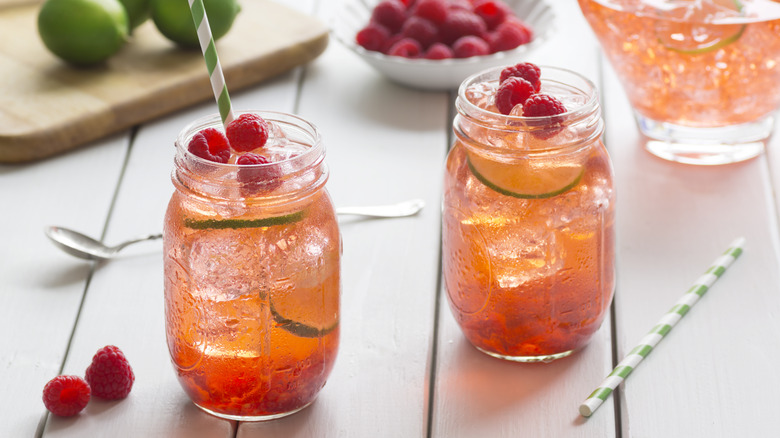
(137, 11)
(174, 19)
(83, 32)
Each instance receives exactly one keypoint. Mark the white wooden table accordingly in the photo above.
(404, 369)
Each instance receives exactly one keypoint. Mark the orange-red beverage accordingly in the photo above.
(703, 76)
(528, 240)
(252, 276)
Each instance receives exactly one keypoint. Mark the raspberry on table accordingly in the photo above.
(210, 144)
(389, 13)
(373, 37)
(406, 47)
(470, 45)
(247, 132)
(460, 23)
(526, 70)
(420, 30)
(493, 12)
(110, 375)
(439, 51)
(432, 10)
(509, 35)
(511, 92)
(66, 396)
(540, 105)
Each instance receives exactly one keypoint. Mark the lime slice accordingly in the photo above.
(523, 180)
(221, 224)
(693, 37)
(298, 328)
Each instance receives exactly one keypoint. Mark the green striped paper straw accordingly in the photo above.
(212, 60)
(669, 320)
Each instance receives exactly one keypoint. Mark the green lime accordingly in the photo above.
(298, 328)
(693, 37)
(137, 11)
(221, 224)
(173, 18)
(524, 180)
(83, 32)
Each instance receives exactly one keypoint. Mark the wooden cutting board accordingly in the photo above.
(48, 107)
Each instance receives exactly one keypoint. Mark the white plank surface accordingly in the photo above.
(41, 287)
(714, 375)
(673, 221)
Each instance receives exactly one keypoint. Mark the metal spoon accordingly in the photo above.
(85, 247)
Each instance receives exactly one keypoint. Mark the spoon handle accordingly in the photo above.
(406, 208)
(137, 239)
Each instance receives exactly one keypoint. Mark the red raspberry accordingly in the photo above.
(373, 37)
(390, 14)
(540, 105)
(66, 396)
(433, 10)
(406, 47)
(211, 145)
(247, 132)
(460, 23)
(509, 35)
(109, 374)
(408, 3)
(526, 70)
(512, 92)
(463, 5)
(259, 178)
(494, 12)
(470, 45)
(439, 51)
(391, 42)
(420, 30)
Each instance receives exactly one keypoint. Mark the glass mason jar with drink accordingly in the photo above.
(528, 219)
(703, 76)
(252, 268)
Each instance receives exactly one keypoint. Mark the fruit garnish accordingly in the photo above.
(210, 144)
(389, 13)
(257, 178)
(66, 396)
(526, 70)
(247, 132)
(509, 35)
(541, 105)
(221, 224)
(373, 37)
(110, 375)
(511, 92)
(83, 32)
(173, 19)
(526, 179)
(298, 328)
(406, 47)
(693, 37)
(439, 51)
(470, 45)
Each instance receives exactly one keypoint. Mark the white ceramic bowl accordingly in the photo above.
(443, 74)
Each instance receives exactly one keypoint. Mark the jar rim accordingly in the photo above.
(493, 74)
(214, 120)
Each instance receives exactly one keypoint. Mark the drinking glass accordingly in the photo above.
(252, 275)
(528, 221)
(703, 76)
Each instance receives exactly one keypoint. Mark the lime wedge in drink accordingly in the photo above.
(525, 180)
(221, 224)
(695, 35)
(300, 329)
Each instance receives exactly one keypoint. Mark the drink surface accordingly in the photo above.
(528, 275)
(252, 313)
(698, 63)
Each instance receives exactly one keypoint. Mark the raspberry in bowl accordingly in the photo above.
(436, 44)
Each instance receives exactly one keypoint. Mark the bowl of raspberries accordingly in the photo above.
(436, 44)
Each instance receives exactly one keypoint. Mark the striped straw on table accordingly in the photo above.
(216, 76)
(652, 338)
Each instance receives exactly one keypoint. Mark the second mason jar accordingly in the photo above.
(252, 275)
(528, 221)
